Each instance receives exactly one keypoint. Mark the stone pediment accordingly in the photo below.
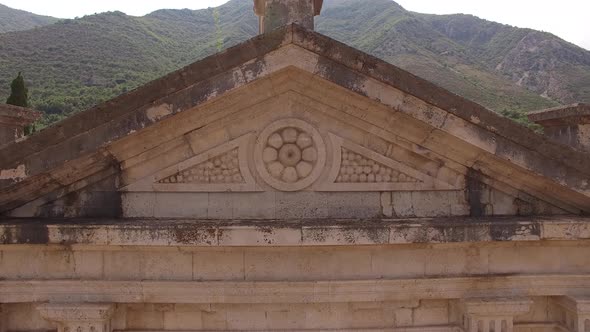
(290, 142)
(366, 120)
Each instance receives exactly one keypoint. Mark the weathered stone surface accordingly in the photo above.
(345, 232)
(13, 120)
(569, 125)
(292, 183)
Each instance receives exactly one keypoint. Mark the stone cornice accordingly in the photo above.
(195, 292)
(211, 233)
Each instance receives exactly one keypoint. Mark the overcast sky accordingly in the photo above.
(566, 18)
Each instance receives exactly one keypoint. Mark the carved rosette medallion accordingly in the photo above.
(290, 154)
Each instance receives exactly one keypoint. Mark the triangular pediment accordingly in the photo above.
(167, 132)
(291, 142)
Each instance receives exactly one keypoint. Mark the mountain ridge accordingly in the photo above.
(507, 69)
(17, 20)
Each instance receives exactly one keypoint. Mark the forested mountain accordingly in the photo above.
(17, 20)
(74, 64)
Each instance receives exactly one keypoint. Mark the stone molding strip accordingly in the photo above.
(449, 328)
(212, 233)
(286, 292)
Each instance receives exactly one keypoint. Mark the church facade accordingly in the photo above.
(293, 183)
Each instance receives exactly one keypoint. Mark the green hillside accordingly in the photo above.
(75, 64)
(17, 20)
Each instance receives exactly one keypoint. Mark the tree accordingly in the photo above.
(19, 94)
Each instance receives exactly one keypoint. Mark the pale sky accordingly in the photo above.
(566, 18)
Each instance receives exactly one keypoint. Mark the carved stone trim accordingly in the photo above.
(290, 154)
(572, 313)
(78, 317)
(250, 292)
(494, 314)
(397, 176)
(223, 168)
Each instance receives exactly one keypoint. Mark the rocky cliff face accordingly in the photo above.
(537, 61)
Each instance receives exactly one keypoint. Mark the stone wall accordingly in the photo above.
(438, 281)
(426, 315)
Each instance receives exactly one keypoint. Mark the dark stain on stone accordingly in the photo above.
(454, 234)
(507, 232)
(474, 193)
(26, 234)
(71, 199)
(523, 208)
(341, 75)
(189, 234)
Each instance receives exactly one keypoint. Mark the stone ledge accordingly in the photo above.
(211, 233)
(561, 113)
(18, 116)
(449, 328)
(251, 292)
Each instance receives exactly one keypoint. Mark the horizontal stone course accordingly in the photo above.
(292, 232)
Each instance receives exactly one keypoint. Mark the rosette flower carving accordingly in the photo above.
(292, 153)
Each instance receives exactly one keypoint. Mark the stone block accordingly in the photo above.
(219, 265)
(181, 205)
(371, 317)
(123, 265)
(263, 235)
(503, 204)
(179, 321)
(88, 264)
(574, 259)
(431, 203)
(429, 315)
(254, 205)
(350, 235)
(214, 320)
(398, 262)
(145, 320)
(402, 204)
(275, 264)
(138, 205)
(307, 264)
(404, 317)
(525, 259)
(24, 317)
(352, 205)
(119, 321)
(446, 261)
(36, 264)
(221, 205)
(301, 205)
(286, 318)
(246, 317)
(169, 265)
(338, 263)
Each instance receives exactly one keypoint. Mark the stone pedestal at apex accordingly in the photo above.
(492, 315)
(79, 317)
(276, 13)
